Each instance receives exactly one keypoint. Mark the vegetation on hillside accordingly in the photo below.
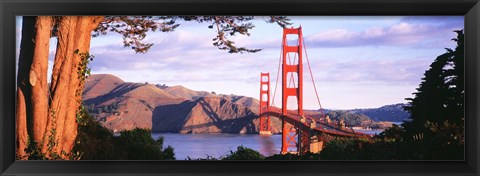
(351, 119)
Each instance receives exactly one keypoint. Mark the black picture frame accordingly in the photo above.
(10, 8)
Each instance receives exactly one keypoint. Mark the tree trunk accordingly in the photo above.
(49, 119)
(32, 95)
(23, 88)
(38, 77)
(74, 35)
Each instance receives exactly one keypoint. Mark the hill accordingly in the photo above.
(392, 113)
(188, 94)
(206, 115)
(100, 84)
(120, 105)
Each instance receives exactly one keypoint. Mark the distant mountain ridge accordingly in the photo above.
(392, 113)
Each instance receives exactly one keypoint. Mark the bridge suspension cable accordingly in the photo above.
(278, 74)
(313, 80)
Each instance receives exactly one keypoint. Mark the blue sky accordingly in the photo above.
(357, 61)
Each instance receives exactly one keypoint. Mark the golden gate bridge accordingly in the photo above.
(300, 133)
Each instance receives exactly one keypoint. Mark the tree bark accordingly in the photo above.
(60, 98)
(49, 119)
(32, 87)
(23, 90)
(85, 26)
(74, 35)
(38, 76)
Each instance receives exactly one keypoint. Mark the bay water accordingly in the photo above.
(219, 145)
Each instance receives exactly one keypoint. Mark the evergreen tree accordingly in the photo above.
(440, 95)
(457, 83)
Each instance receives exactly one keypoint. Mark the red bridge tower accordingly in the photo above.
(292, 86)
(265, 128)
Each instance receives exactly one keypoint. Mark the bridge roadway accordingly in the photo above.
(294, 118)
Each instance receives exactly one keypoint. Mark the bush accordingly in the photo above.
(244, 153)
(95, 142)
(339, 149)
(437, 142)
(139, 145)
(168, 153)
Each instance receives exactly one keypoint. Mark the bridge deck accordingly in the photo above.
(319, 126)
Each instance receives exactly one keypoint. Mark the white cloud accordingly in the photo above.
(401, 34)
(377, 71)
(340, 35)
(374, 32)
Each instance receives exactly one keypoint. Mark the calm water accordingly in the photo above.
(217, 145)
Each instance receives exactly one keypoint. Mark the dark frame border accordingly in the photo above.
(9, 9)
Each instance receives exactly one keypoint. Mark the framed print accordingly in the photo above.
(239, 87)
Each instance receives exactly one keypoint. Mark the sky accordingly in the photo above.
(356, 61)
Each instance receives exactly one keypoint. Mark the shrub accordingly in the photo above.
(95, 142)
(244, 153)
